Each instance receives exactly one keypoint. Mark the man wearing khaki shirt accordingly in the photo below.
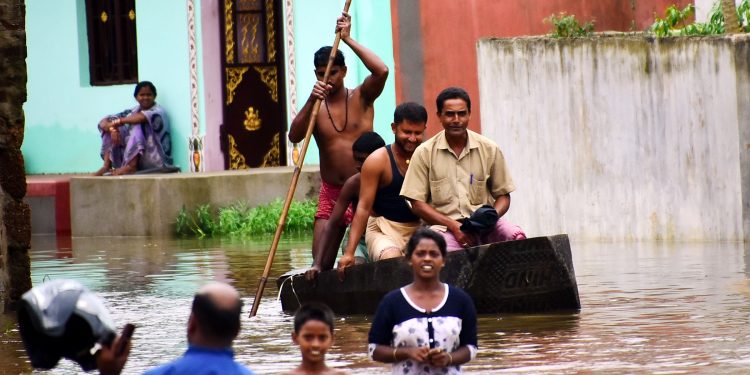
(456, 172)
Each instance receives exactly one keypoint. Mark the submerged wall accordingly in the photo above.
(423, 30)
(15, 221)
(623, 137)
(148, 205)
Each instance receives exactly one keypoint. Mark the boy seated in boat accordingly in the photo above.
(456, 172)
(382, 215)
(329, 242)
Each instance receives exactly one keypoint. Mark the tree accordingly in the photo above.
(731, 22)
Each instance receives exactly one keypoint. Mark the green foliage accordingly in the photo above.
(675, 21)
(567, 26)
(743, 13)
(239, 219)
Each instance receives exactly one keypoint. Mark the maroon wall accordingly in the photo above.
(449, 30)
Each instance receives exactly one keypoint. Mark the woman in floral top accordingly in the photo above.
(426, 327)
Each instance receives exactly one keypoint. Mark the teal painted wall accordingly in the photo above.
(314, 26)
(63, 108)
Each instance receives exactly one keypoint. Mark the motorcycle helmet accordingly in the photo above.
(63, 319)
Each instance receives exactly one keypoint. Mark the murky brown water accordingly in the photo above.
(647, 308)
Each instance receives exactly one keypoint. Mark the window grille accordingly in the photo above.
(113, 52)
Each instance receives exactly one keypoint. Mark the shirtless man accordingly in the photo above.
(343, 116)
(382, 175)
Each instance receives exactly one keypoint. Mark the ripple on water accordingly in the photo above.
(647, 308)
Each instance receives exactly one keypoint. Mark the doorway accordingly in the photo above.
(254, 131)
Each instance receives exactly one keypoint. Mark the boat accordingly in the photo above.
(533, 275)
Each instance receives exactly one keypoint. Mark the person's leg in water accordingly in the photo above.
(326, 202)
(327, 256)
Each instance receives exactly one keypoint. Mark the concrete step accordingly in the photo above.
(147, 205)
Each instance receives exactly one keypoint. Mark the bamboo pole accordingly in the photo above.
(295, 177)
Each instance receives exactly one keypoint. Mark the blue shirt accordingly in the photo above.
(203, 361)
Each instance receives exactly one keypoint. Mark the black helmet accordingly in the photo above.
(62, 318)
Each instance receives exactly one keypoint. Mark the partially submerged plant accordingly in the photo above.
(567, 26)
(239, 219)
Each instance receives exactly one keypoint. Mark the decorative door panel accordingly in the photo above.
(254, 130)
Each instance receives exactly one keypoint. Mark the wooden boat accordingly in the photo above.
(530, 276)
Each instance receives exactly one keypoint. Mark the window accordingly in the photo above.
(113, 52)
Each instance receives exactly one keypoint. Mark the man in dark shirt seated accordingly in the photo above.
(382, 175)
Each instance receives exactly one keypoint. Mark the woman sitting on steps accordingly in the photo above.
(136, 139)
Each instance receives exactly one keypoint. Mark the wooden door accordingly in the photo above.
(254, 130)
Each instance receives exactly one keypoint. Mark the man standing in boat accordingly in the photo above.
(392, 222)
(344, 115)
(455, 173)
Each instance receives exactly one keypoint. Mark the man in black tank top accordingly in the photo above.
(385, 216)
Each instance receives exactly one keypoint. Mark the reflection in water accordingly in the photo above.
(645, 307)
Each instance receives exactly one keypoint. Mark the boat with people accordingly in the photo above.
(526, 276)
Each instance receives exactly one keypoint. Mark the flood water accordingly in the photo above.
(646, 307)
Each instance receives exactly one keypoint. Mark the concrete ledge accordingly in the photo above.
(46, 194)
(147, 205)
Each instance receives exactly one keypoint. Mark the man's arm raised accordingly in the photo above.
(373, 85)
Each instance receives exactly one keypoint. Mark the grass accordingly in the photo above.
(239, 219)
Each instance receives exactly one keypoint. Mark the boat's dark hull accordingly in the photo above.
(532, 275)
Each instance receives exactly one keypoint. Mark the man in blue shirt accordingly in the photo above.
(214, 323)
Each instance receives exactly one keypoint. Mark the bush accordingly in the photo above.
(239, 219)
(567, 26)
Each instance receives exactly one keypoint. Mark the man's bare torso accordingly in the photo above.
(335, 138)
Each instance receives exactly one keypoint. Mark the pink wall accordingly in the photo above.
(212, 88)
(450, 30)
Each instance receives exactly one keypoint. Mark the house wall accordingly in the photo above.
(622, 137)
(210, 85)
(371, 27)
(63, 108)
(54, 119)
(436, 39)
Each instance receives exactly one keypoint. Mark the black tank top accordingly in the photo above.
(388, 202)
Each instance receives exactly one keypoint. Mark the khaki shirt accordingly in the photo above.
(457, 185)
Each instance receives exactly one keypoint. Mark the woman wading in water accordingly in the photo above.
(426, 327)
